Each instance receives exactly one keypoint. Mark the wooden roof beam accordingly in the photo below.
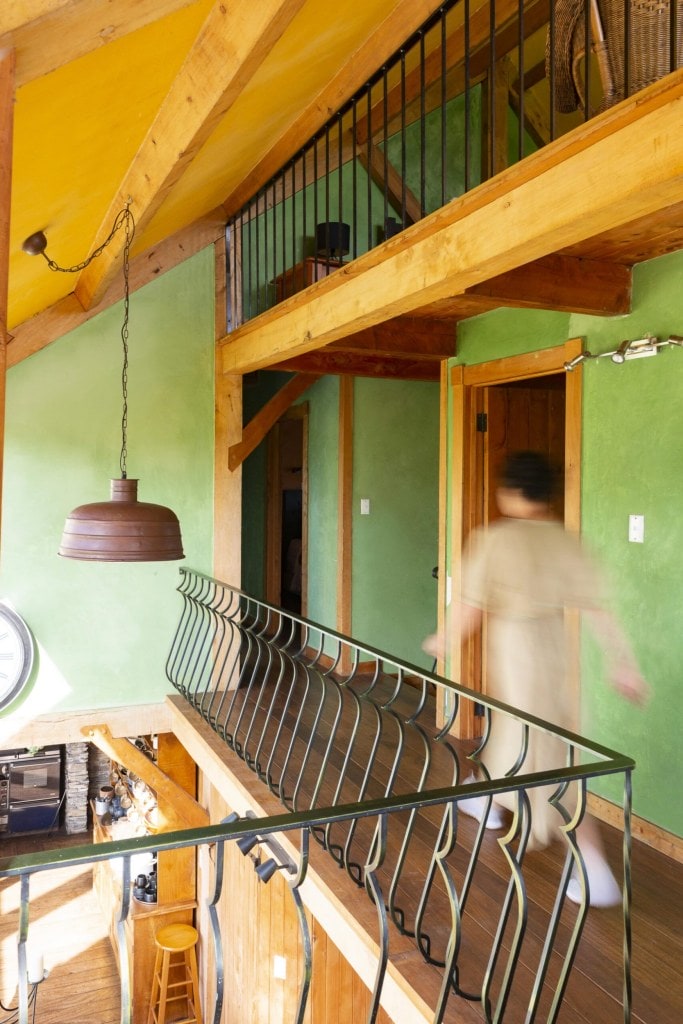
(230, 47)
(47, 34)
(355, 364)
(562, 283)
(66, 315)
(389, 181)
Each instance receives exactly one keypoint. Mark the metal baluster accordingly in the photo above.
(374, 891)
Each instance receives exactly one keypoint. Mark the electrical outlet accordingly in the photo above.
(636, 529)
(279, 967)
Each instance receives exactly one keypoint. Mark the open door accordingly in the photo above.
(524, 402)
(287, 520)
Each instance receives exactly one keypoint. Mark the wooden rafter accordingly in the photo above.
(389, 181)
(562, 283)
(230, 47)
(180, 810)
(48, 34)
(258, 427)
(68, 314)
(7, 67)
(406, 348)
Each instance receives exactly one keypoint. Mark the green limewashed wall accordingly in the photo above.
(103, 631)
(632, 463)
(395, 547)
(323, 491)
(258, 389)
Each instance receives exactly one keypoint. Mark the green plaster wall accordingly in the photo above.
(103, 631)
(395, 465)
(632, 462)
(395, 547)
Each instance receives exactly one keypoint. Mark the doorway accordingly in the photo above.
(522, 402)
(287, 520)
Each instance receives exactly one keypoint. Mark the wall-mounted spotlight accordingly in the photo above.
(247, 843)
(632, 348)
(577, 360)
(267, 869)
(647, 346)
(620, 355)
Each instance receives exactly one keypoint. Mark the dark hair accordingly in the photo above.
(532, 473)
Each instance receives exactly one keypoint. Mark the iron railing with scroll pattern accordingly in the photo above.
(324, 721)
(345, 736)
(479, 86)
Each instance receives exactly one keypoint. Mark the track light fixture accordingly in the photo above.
(122, 529)
(635, 348)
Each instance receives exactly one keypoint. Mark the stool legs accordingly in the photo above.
(175, 957)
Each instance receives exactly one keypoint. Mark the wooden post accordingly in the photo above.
(345, 513)
(7, 65)
(227, 505)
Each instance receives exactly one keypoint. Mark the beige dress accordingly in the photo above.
(524, 573)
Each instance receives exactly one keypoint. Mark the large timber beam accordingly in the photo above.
(47, 34)
(562, 283)
(258, 427)
(66, 315)
(7, 67)
(231, 46)
(407, 348)
(528, 212)
(180, 810)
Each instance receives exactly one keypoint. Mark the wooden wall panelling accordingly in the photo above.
(257, 927)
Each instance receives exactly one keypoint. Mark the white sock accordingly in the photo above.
(475, 807)
(604, 890)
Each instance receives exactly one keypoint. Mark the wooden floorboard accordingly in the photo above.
(594, 993)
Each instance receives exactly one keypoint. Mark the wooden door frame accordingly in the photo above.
(466, 385)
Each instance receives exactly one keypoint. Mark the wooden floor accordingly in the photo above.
(594, 993)
(67, 927)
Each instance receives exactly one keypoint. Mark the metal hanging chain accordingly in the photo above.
(121, 218)
(124, 218)
(130, 233)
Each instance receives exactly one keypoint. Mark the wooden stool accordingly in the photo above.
(175, 957)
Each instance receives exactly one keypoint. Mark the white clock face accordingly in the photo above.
(16, 654)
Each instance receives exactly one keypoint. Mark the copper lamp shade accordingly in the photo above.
(122, 529)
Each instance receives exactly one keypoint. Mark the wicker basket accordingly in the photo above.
(650, 56)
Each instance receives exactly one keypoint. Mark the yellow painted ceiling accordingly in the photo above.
(88, 91)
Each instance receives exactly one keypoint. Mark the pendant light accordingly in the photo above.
(122, 529)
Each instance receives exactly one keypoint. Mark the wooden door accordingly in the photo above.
(522, 402)
(286, 517)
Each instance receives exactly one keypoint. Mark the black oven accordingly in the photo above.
(30, 789)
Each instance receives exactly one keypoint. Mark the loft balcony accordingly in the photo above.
(489, 163)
